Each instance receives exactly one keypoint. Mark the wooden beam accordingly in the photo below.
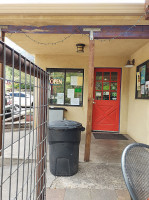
(1, 95)
(147, 9)
(123, 32)
(107, 32)
(90, 100)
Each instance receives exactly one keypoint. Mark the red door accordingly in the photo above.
(106, 107)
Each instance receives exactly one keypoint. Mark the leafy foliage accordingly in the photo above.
(26, 81)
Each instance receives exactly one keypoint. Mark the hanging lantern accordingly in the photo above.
(80, 48)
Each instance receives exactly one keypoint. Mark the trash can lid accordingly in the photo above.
(64, 124)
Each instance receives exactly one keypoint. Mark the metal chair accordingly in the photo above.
(135, 168)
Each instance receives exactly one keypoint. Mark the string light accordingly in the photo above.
(78, 29)
(48, 43)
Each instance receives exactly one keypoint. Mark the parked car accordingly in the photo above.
(26, 99)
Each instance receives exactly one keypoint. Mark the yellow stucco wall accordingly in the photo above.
(80, 113)
(138, 110)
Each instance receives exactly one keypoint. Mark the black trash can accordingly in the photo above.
(64, 139)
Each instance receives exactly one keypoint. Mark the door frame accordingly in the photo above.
(120, 93)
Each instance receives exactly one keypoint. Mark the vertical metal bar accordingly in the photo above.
(33, 133)
(36, 149)
(39, 167)
(12, 123)
(2, 129)
(43, 135)
(24, 136)
(1, 92)
(46, 117)
(44, 110)
(40, 137)
(29, 135)
(19, 126)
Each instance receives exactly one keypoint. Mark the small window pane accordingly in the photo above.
(99, 76)
(113, 86)
(57, 88)
(113, 96)
(113, 76)
(105, 95)
(98, 85)
(74, 88)
(105, 85)
(106, 76)
(98, 96)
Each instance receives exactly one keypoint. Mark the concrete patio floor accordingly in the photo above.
(101, 178)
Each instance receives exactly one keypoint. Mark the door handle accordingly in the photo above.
(94, 101)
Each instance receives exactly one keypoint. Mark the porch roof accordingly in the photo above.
(74, 8)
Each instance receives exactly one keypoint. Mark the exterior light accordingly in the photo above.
(80, 48)
(130, 63)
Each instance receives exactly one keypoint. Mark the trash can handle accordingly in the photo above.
(82, 128)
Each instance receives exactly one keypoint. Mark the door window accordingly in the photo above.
(106, 86)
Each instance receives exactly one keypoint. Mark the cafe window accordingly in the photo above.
(142, 81)
(66, 87)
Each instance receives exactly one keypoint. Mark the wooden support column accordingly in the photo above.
(90, 100)
(147, 9)
(2, 36)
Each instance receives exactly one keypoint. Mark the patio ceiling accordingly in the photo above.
(68, 47)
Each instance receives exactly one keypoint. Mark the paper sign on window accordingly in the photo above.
(138, 81)
(74, 80)
(143, 74)
(74, 101)
(147, 87)
(70, 93)
(80, 81)
(60, 98)
(142, 89)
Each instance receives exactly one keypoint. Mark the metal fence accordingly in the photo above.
(23, 124)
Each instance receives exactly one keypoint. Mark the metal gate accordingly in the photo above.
(23, 124)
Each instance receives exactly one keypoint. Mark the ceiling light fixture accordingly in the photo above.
(80, 48)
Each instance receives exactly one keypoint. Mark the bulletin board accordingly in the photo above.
(142, 81)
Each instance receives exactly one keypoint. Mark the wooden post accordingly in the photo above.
(1, 94)
(90, 100)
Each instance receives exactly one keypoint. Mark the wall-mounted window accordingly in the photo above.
(66, 86)
(142, 81)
